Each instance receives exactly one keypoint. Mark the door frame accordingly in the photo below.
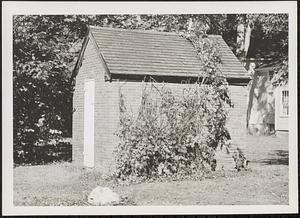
(89, 123)
(281, 120)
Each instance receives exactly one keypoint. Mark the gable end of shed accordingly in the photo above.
(90, 39)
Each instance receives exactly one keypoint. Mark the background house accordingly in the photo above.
(268, 104)
(114, 60)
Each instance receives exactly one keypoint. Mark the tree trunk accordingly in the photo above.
(247, 39)
(240, 40)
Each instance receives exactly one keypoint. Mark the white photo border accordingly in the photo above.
(55, 8)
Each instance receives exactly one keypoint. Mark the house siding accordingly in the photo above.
(261, 106)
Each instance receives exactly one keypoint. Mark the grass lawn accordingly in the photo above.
(266, 182)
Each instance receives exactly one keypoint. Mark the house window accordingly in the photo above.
(285, 103)
(271, 74)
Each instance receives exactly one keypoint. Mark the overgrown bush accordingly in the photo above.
(176, 135)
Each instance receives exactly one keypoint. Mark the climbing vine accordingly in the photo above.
(176, 135)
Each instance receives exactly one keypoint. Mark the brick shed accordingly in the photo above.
(115, 59)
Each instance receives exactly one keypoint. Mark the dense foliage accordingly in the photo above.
(176, 135)
(268, 40)
(42, 90)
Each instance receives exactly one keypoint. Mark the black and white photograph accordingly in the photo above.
(149, 108)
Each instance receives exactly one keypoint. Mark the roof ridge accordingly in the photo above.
(146, 31)
(135, 30)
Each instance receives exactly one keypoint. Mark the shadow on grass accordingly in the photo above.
(276, 157)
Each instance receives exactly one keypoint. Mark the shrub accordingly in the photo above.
(176, 135)
(171, 135)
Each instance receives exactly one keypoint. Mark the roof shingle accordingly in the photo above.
(157, 53)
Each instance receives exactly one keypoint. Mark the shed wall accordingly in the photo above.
(237, 118)
(236, 123)
(107, 95)
(106, 110)
(237, 115)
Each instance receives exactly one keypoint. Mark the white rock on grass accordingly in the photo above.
(103, 196)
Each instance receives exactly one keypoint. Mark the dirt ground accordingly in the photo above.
(265, 183)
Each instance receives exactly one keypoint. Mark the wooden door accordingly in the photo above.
(89, 99)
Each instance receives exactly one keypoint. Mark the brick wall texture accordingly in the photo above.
(107, 95)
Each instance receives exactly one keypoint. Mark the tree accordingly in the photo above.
(264, 36)
(42, 90)
(275, 29)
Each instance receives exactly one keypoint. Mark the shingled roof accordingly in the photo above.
(134, 52)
